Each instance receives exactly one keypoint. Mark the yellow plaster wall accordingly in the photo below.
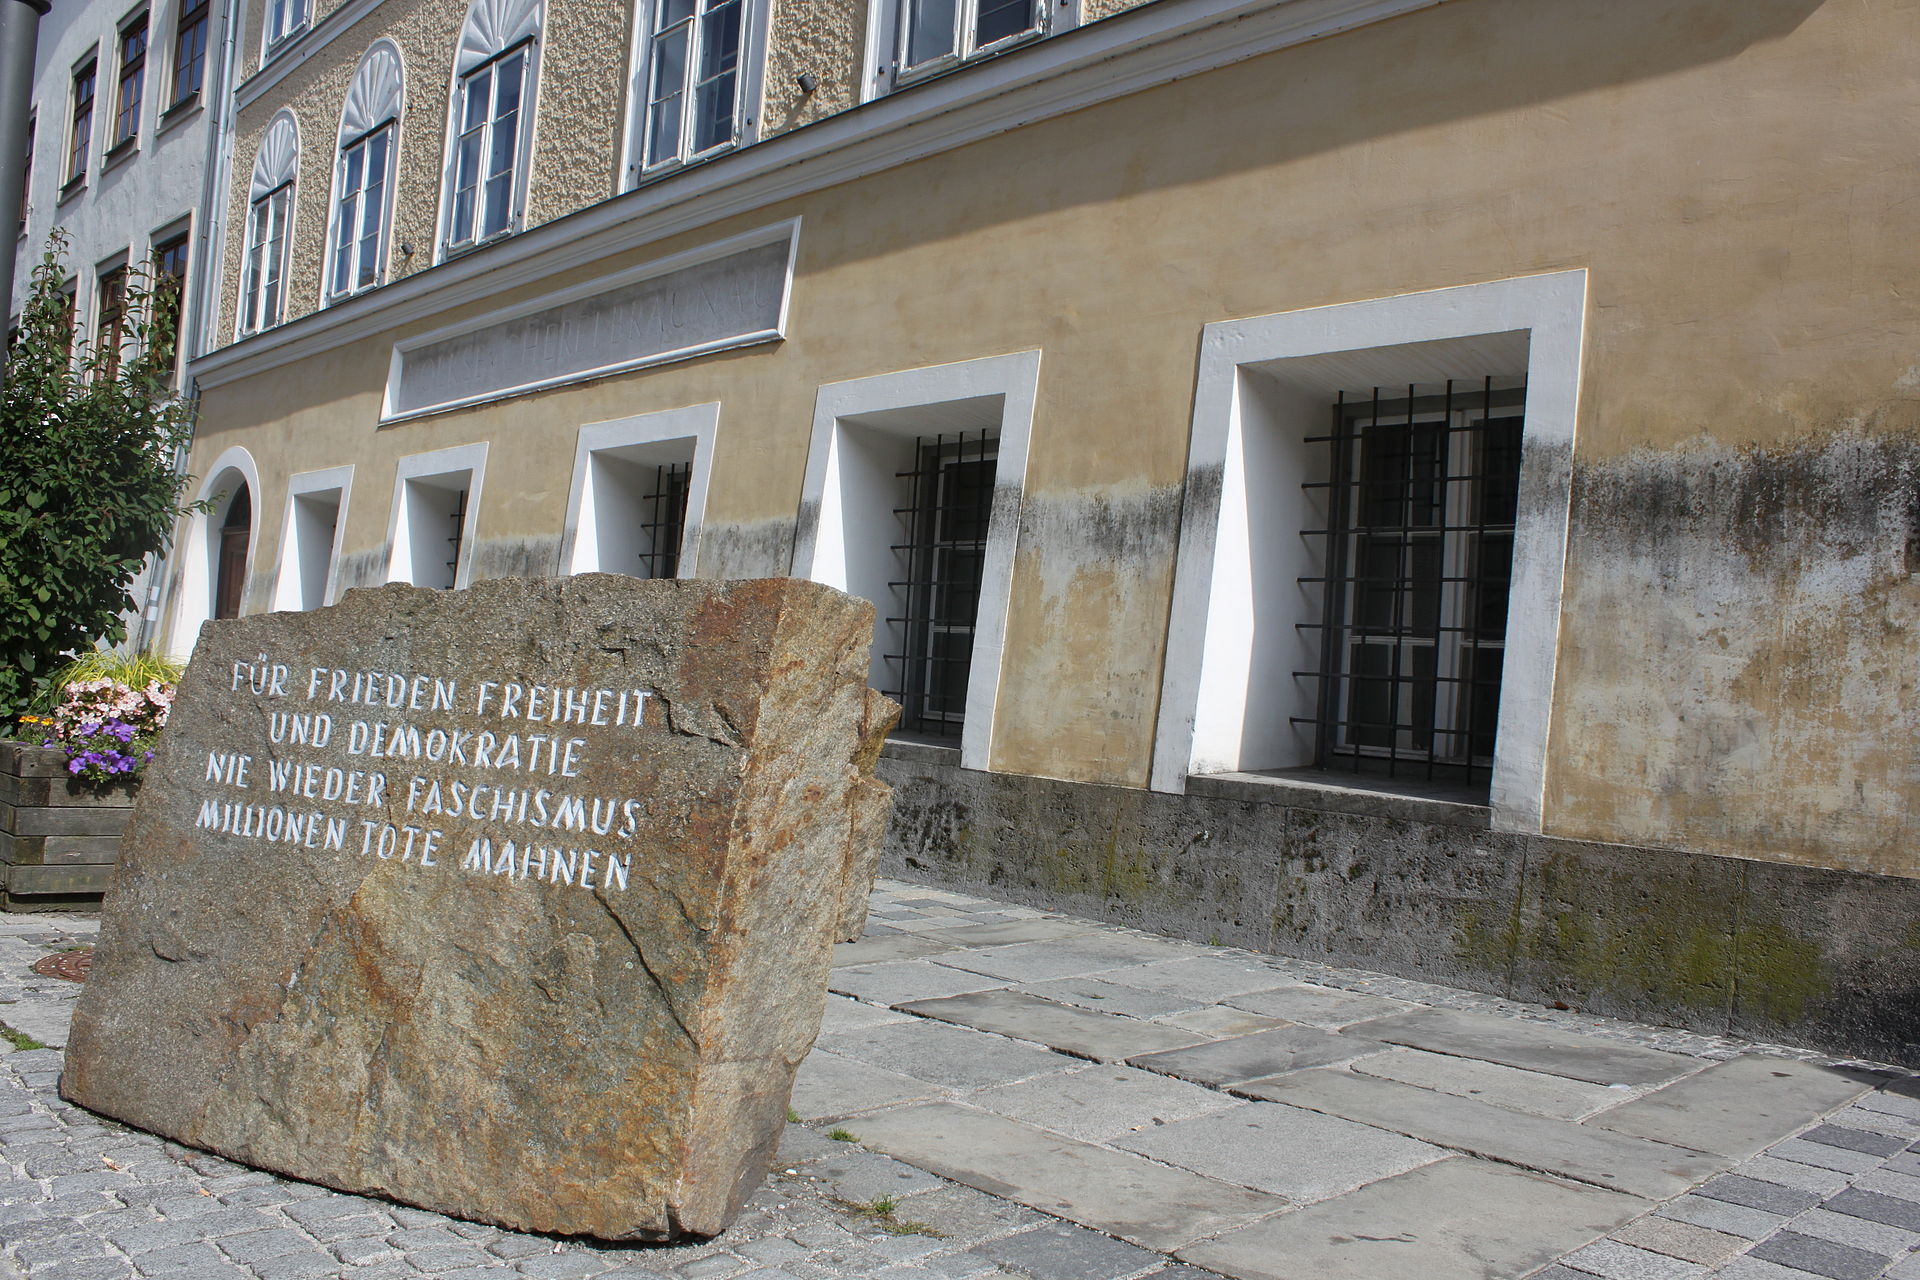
(1733, 178)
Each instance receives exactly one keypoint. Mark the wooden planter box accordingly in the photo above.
(58, 839)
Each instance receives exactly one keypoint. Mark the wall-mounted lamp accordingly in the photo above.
(808, 82)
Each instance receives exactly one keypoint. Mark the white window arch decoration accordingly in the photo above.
(360, 214)
(263, 290)
(490, 123)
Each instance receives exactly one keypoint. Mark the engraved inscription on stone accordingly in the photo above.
(516, 903)
(737, 297)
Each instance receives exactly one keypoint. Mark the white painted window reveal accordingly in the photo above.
(866, 434)
(639, 494)
(310, 538)
(1246, 608)
(436, 498)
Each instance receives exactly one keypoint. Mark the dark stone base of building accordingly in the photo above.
(1423, 889)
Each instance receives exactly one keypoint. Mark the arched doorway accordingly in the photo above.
(230, 571)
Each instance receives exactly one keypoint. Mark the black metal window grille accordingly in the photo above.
(458, 518)
(949, 493)
(1421, 495)
(663, 520)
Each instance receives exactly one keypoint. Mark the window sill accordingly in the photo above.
(278, 47)
(185, 109)
(73, 188)
(916, 750)
(1444, 804)
(119, 154)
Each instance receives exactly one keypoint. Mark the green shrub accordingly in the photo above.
(89, 489)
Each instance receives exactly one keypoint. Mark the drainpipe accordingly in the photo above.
(19, 39)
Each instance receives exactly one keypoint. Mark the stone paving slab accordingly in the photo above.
(1615, 1161)
(1100, 1103)
(830, 1087)
(1534, 1091)
(1110, 997)
(938, 1053)
(1531, 1046)
(1317, 1006)
(1223, 1021)
(1286, 1151)
(1124, 1195)
(1737, 1108)
(882, 948)
(900, 981)
(1458, 1219)
(1264, 1053)
(1103, 1037)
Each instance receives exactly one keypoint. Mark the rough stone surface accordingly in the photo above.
(602, 1050)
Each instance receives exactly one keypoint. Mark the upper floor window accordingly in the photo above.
(80, 139)
(190, 50)
(693, 80)
(133, 82)
(934, 33)
(110, 322)
(495, 75)
(284, 18)
(270, 210)
(169, 258)
(363, 177)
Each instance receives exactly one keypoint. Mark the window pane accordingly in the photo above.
(189, 52)
(498, 206)
(466, 182)
(930, 29)
(507, 94)
(713, 113)
(479, 99)
(669, 12)
(506, 136)
(666, 87)
(999, 19)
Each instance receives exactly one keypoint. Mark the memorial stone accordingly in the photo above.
(515, 903)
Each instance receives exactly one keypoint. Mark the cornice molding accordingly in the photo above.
(1155, 44)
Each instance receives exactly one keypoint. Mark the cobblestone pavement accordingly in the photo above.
(999, 1091)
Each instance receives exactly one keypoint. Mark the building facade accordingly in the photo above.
(1422, 485)
(127, 98)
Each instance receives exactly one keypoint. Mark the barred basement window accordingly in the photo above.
(457, 517)
(1421, 507)
(663, 520)
(949, 501)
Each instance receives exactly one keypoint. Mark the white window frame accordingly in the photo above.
(492, 32)
(289, 579)
(455, 239)
(755, 20)
(1262, 387)
(846, 525)
(349, 211)
(667, 436)
(270, 205)
(280, 22)
(263, 272)
(373, 105)
(467, 461)
(886, 59)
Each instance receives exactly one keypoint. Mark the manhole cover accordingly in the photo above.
(71, 965)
